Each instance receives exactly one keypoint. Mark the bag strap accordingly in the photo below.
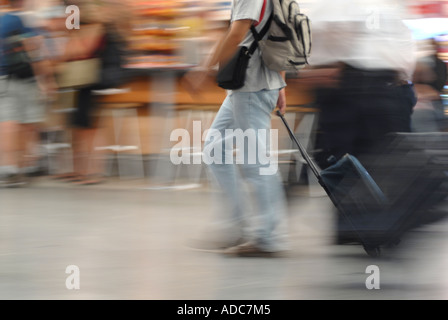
(263, 32)
(259, 36)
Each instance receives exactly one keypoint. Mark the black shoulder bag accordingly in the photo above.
(232, 75)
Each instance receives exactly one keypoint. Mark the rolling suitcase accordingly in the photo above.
(410, 188)
(355, 194)
(412, 171)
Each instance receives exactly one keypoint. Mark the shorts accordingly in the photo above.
(84, 115)
(21, 101)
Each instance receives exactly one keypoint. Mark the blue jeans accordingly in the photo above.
(266, 226)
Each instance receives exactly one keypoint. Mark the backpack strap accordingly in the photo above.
(259, 36)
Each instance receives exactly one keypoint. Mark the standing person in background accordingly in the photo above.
(430, 80)
(25, 83)
(103, 32)
(248, 108)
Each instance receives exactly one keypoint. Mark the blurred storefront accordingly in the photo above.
(429, 20)
(171, 36)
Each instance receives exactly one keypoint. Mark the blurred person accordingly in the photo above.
(248, 108)
(430, 80)
(103, 35)
(24, 87)
(362, 67)
(54, 32)
(53, 17)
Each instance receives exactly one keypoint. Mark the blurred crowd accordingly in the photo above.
(380, 96)
(53, 59)
(60, 55)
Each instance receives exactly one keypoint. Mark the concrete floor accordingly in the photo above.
(129, 242)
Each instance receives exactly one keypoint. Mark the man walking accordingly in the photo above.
(246, 110)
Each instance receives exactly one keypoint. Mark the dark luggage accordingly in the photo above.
(377, 213)
(413, 173)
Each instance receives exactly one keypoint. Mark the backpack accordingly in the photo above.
(17, 61)
(288, 45)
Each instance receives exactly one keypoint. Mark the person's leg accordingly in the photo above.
(87, 166)
(75, 128)
(9, 147)
(33, 116)
(80, 154)
(9, 129)
(336, 130)
(224, 176)
(13, 114)
(91, 165)
(253, 113)
(28, 139)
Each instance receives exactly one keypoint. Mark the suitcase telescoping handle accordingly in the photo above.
(372, 249)
(302, 150)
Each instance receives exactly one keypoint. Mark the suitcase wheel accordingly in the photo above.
(372, 251)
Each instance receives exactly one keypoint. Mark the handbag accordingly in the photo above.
(232, 75)
(79, 73)
(103, 71)
(84, 72)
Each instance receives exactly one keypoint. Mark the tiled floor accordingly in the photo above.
(129, 242)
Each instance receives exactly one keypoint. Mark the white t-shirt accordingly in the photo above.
(367, 34)
(258, 76)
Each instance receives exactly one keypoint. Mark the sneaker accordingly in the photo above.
(213, 245)
(249, 249)
(15, 181)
